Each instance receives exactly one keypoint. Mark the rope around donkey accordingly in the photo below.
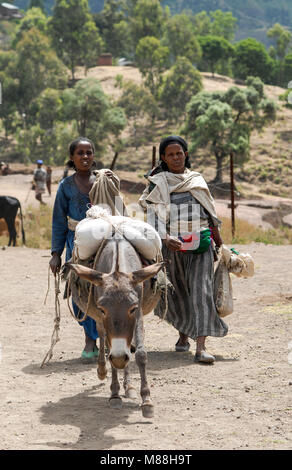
(55, 335)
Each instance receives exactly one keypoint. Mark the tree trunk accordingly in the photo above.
(219, 167)
(72, 71)
(213, 69)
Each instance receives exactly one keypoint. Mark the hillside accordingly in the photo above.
(269, 169)
(254, 17)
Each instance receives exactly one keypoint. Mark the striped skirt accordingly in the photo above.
(191, 307)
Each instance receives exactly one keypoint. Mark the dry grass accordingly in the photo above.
(37, 227)
(246, 233)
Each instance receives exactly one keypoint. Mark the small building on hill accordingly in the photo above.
(105, 59)
(8, 11)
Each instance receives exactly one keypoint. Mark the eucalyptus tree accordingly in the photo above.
(74, 34)
(92, 112)
(152, 59)
(179, 84)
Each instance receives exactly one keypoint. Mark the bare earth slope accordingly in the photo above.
(243, 401)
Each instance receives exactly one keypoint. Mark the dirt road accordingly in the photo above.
(243, 401)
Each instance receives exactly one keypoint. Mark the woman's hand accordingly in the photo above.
(172, 243)
(55, 263)
(217, 237)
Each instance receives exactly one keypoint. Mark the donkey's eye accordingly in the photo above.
(133, 309)
(101, 309)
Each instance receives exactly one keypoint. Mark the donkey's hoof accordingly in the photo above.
(101, 374)
(148, 411)
(131, 393)
(116, 403)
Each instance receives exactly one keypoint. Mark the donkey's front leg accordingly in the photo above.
(141, 360)
(130, 391)
(115, 399)
(101, 364)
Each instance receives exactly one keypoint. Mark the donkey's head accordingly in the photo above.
(119, 301)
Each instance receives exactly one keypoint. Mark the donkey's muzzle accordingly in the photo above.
(119, 362)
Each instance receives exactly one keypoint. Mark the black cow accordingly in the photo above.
(8, 210)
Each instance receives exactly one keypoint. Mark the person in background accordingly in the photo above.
(4, 167)
(39, 181)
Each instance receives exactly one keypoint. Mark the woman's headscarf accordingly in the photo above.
(172, 139)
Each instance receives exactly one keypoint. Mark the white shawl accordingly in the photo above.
(167, 183)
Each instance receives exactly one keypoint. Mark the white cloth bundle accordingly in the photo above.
(242, 264)
(99, 224)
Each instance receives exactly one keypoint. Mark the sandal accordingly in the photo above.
(90, 354)
(182, 347)
(203, 356)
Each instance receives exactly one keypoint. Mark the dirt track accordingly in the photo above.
(243, 401)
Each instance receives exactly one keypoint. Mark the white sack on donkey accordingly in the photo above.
(99, 224)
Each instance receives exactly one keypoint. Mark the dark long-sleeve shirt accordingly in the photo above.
(69, 202)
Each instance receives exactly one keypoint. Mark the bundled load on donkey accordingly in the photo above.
(100, 224)
(91, 235)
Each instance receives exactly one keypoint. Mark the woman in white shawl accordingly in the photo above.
(186, 219)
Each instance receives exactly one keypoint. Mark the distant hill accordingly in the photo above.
(255, 17)
(95, 5)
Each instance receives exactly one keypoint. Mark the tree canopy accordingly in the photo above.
(251, 58)
(214, 49)
(179, 85)
(92, 111)
(225, 121)
(152, 59)
(74, 34)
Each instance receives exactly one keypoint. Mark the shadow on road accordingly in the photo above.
(93, 416)
(157, 360)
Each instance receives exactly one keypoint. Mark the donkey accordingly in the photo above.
(117, 306)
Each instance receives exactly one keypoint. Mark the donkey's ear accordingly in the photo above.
(88, 274)
(146, 273)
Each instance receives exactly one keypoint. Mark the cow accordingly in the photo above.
(8, 209)
(120, 295)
